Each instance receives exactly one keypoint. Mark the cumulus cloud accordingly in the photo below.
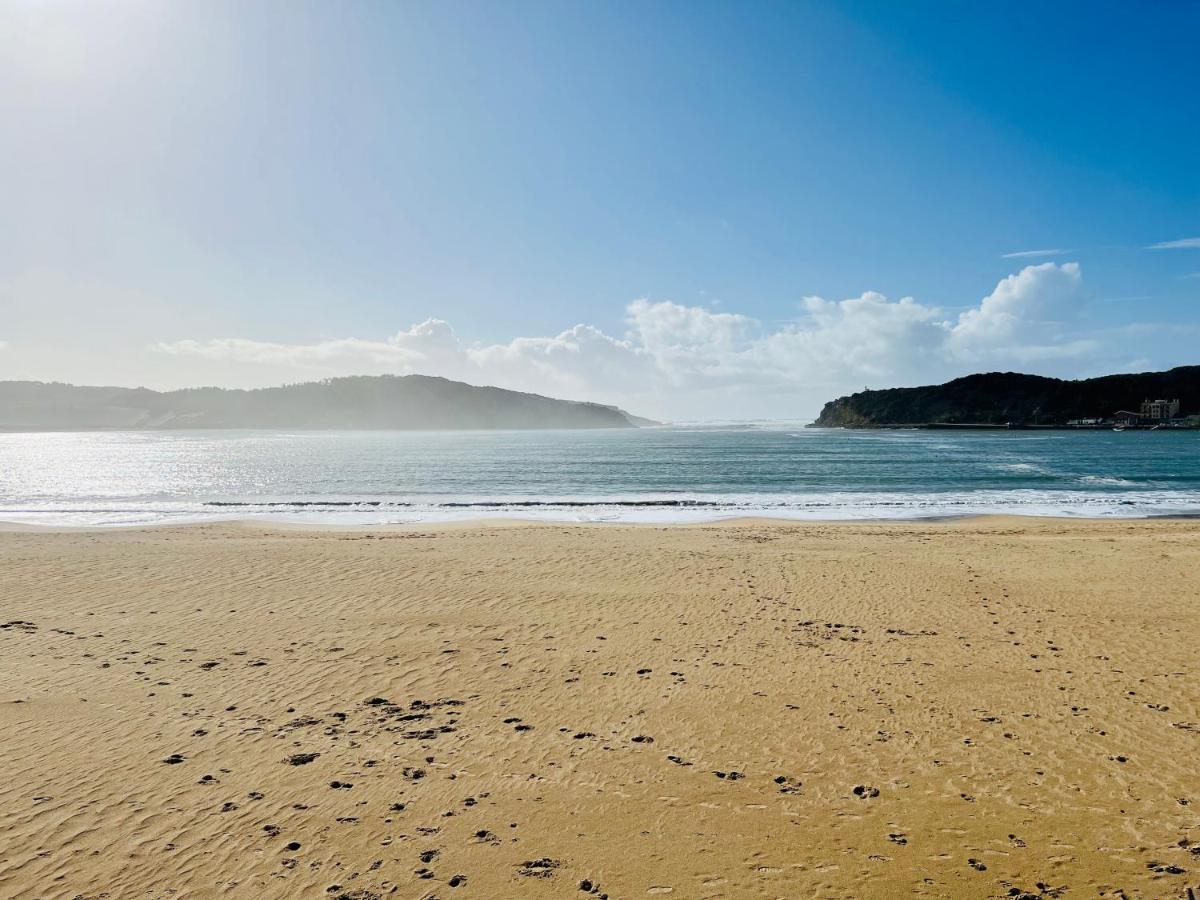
(1027, 317)
(669, 349)
(689, 345)
(866, 335)
(582, 356)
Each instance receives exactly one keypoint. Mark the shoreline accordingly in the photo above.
(506, 522)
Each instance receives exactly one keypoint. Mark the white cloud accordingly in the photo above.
(1027, 317)
(1181, 244)
(1029, 254)
(865, 335)
(581, 359)
(689, 345)
(674, 357)
(420, 344)
(575, 359)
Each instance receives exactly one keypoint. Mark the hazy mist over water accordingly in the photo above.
(669, 474)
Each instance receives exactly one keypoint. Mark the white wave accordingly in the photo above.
(1108, 481)
(1021, 467)
(652, 508)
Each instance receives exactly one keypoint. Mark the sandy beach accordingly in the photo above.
(970, 709)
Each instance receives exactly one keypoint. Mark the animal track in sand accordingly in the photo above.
(538, 868)
(788, 785)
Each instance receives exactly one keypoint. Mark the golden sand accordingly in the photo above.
(984, 708)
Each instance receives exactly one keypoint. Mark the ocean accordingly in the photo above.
(667, 474)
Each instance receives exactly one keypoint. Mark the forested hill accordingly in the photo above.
(997, 398)
(386, 401)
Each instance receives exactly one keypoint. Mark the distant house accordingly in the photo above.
(1127, 418)
(1160, 410)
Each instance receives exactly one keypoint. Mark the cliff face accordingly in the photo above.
(997, 398)
(387, 401)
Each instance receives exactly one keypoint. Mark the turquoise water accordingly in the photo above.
(657, 474)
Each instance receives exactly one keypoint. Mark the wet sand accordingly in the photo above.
(981, 708)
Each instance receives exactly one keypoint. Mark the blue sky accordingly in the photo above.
(251, 193)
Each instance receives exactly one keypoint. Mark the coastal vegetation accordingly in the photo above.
(1010, 398)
